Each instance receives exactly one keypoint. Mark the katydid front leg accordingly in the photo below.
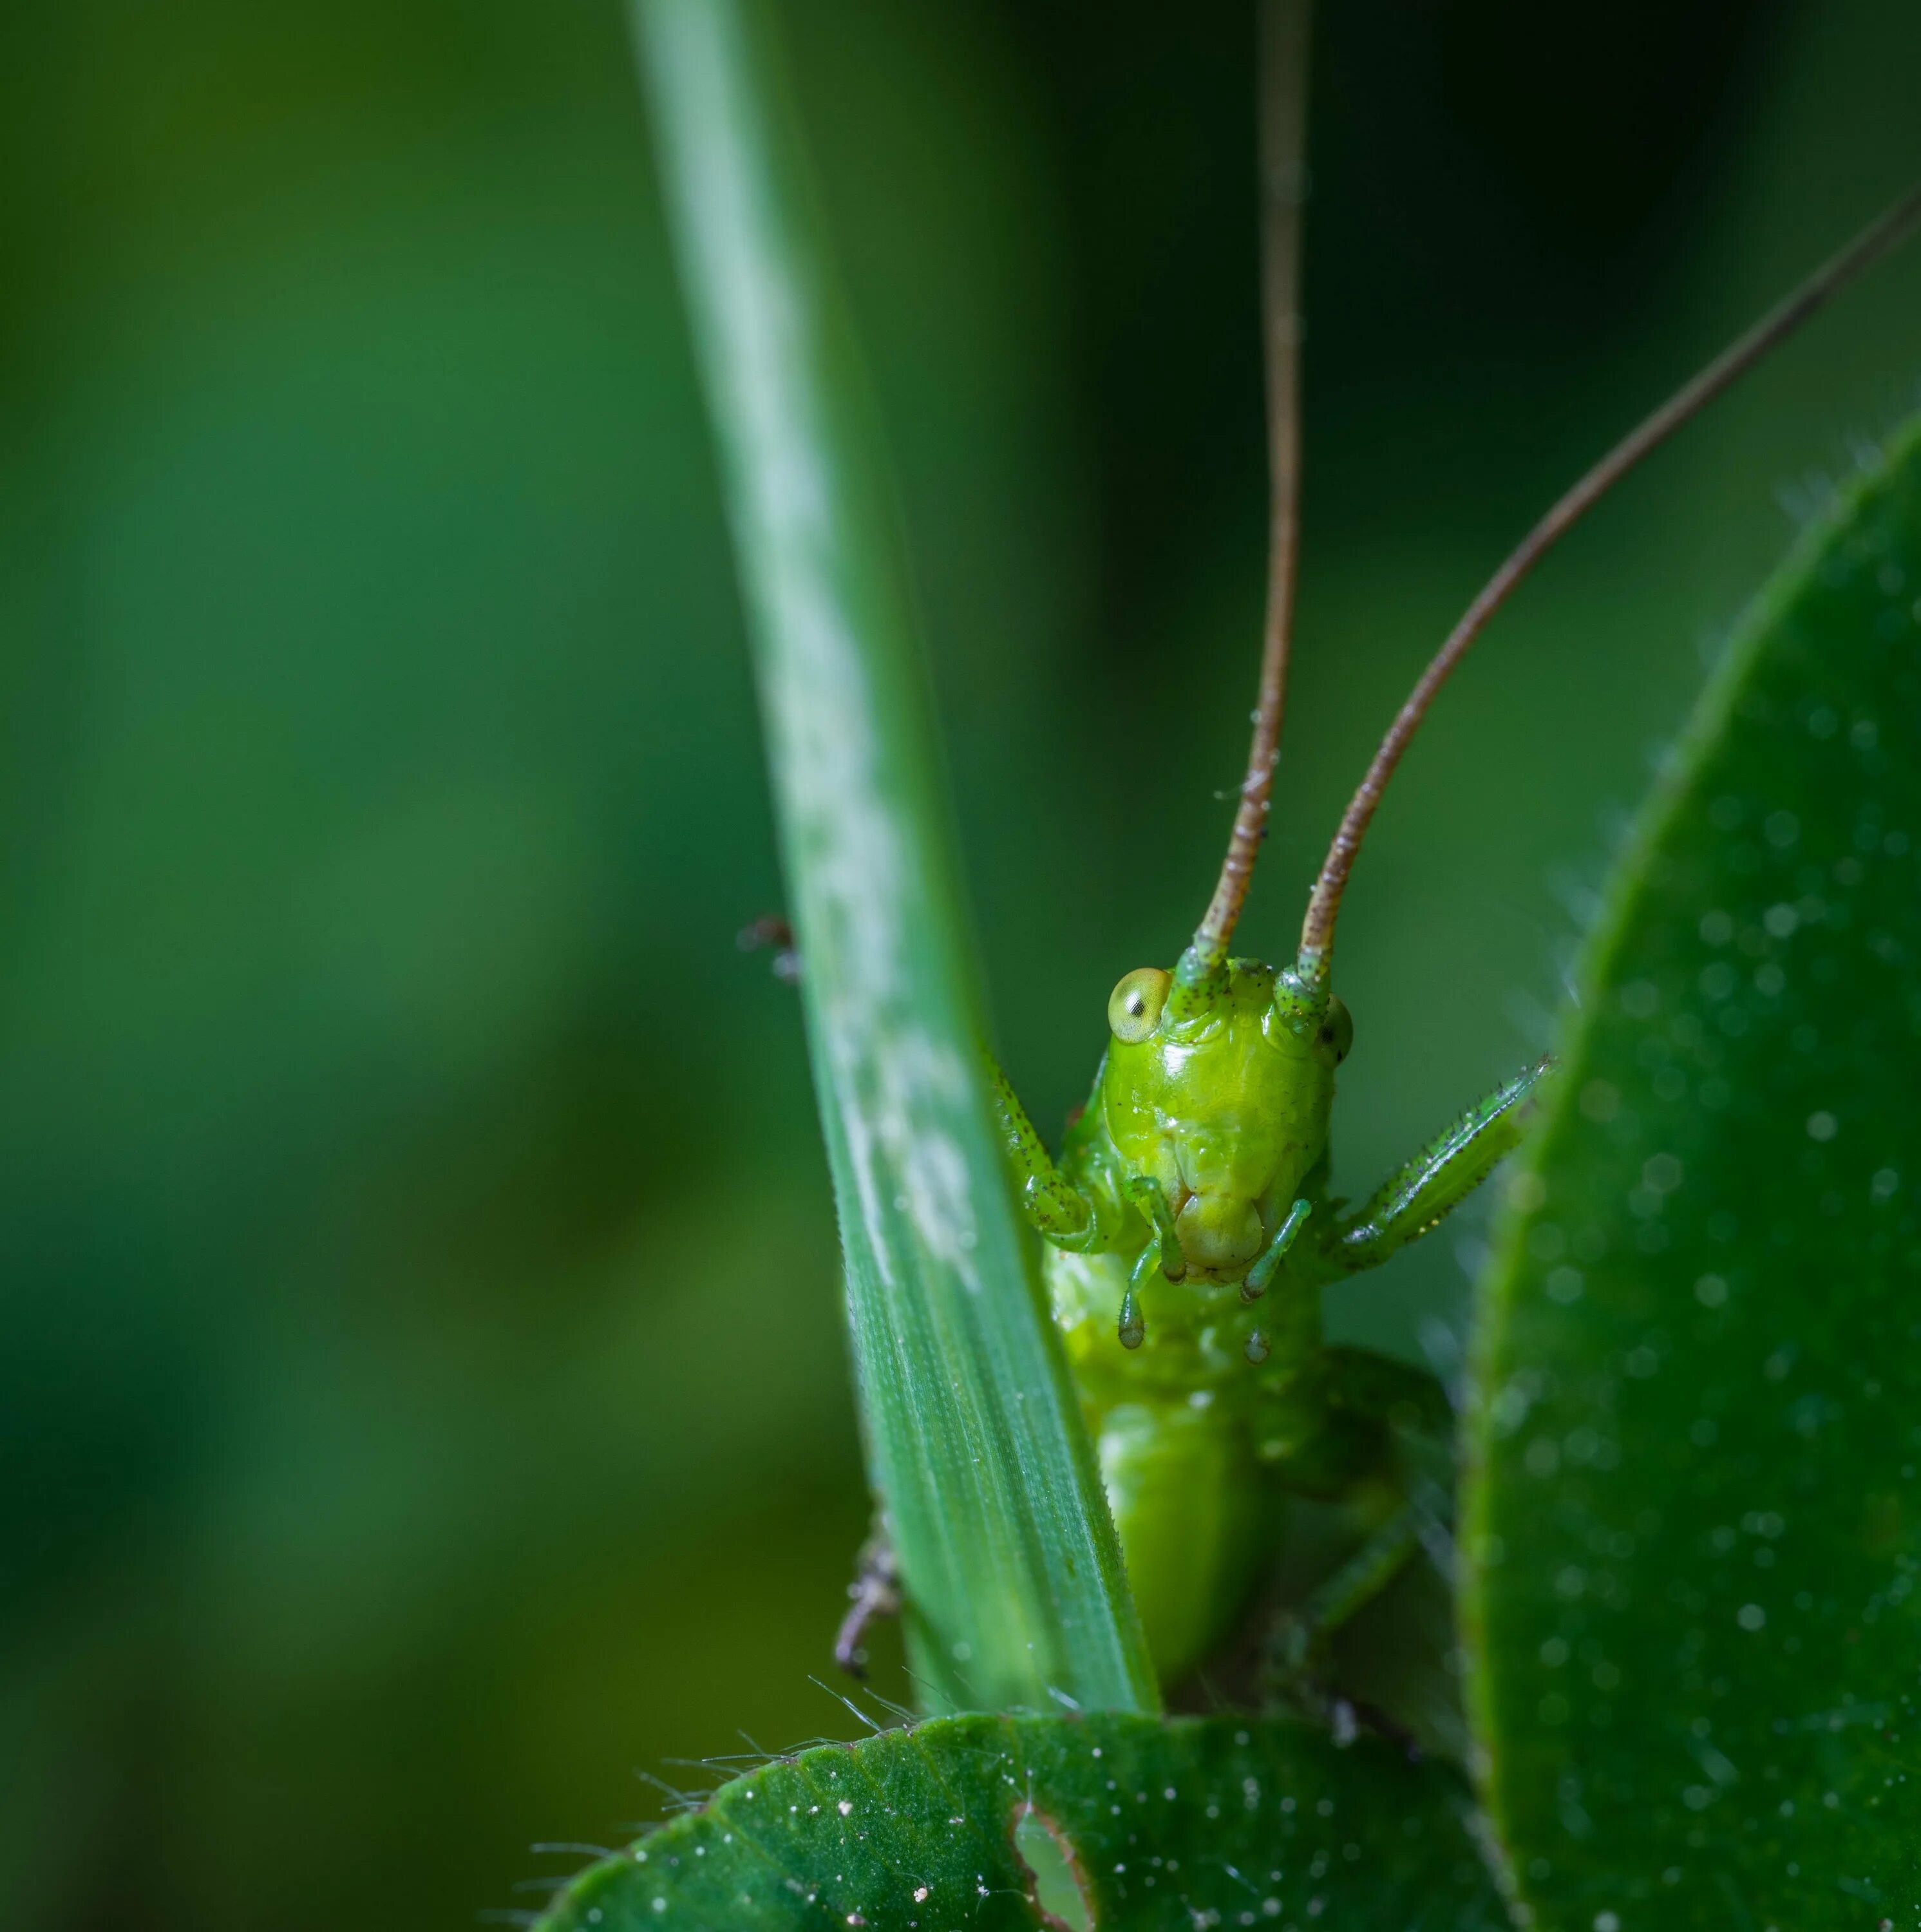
(1438, 1179)
(1057, 1210)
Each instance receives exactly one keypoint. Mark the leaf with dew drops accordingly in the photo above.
(1110, 1820)
(1694, 1497)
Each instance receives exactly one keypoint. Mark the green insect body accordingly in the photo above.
(1191, 1234)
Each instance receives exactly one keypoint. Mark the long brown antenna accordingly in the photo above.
(1874, 241)
(1283, 111)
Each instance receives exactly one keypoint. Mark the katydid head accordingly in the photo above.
(1224, 1107)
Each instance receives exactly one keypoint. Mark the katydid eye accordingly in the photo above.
(1338, 1029)
(1134, 1007)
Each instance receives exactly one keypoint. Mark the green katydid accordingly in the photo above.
(1189, 1227)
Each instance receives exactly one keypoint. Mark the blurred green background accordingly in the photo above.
(422, 1400)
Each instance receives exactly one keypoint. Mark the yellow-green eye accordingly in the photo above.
(1134, 1007)
(1338, 1029)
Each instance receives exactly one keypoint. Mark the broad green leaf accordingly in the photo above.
(1694, 1500)
(977, 1447)
(1124, 1821)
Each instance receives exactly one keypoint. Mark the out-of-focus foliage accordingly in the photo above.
(422, 1389)
(1693, 1550)
(1105, 1821)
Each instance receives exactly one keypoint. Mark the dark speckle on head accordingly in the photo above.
(1337, 1032)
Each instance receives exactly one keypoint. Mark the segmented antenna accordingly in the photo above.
(1873, 242)
(1283, 137)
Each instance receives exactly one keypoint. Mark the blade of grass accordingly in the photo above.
(976, 1447)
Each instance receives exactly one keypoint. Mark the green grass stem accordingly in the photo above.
(976, 1446)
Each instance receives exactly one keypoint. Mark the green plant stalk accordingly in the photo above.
(1016, 1596)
